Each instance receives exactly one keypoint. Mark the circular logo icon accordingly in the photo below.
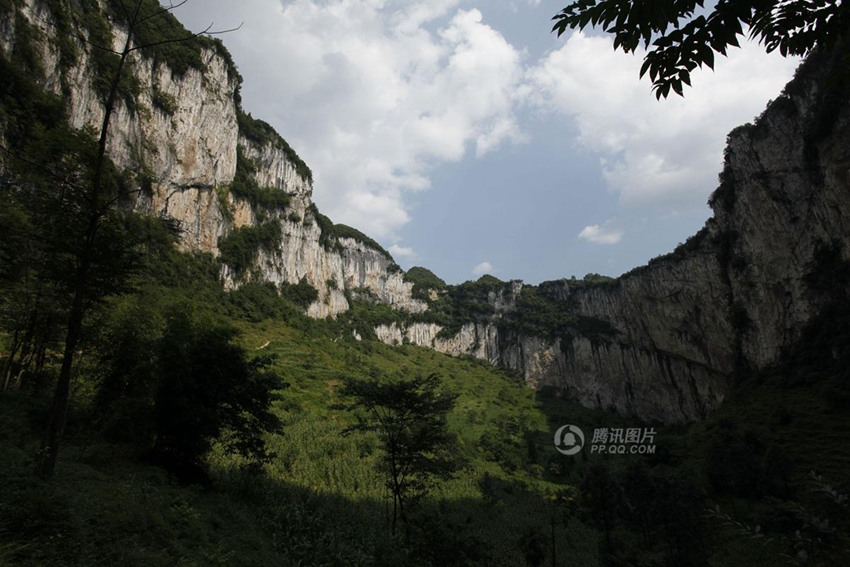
(569, 439)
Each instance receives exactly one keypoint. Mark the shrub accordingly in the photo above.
(744, 465)
(423, 280)
(332, 233)
(164, 101)
(245, 187)
(301, 294)
(262, 133)
(208, 387)
(239, 248)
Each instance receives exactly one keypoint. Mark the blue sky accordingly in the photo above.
(467, 138)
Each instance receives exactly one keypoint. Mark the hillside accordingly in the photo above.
(222, 320)
(661, 342)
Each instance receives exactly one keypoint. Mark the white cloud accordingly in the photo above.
(655, 151)
(402, 251)
(483, 268)
(601, 234)
(373, 94)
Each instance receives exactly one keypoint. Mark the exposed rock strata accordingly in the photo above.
(733, 297)
(193, 151)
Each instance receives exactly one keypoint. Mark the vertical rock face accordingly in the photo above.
(732, 297)
(192, 151)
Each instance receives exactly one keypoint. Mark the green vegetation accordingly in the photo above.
(240, 247)
(26, 110)
(7, 6)
(423, 281)
(678, 38)
(468, 302)
(206, 386)
(319, 498)
(538, 310)
(164, 101)
(64, 37)
(105, 63)
(409, 417)
(261, 133)
(180, 56)
(539, 314)
(364, 316)
(332, 233)
(183, 445)
(222, 193)
(24, 46)
(244, 186)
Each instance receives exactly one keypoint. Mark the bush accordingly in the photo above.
(261, 133)
(301, 294)
(207, 388)
(423, 280)
(258, 301)
(164, 101)
(245, 187)
(239, 248)
(744, 465)
(332, 233)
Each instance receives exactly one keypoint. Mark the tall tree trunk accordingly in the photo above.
(10, 361)
(61, 397)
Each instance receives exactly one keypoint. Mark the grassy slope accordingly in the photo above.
(321, 502)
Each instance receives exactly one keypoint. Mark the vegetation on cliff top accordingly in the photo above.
(331, 234)
(262, 133)
(423, 280)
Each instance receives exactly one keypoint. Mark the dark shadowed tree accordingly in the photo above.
(77, 203)
(209, 389)
(601, 497)
(409, 417)
(681, 35)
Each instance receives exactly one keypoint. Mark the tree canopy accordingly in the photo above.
(409, 417)
(681, 35)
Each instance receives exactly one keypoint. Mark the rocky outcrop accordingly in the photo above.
(733, 297)
(674, 331)
(190, 154)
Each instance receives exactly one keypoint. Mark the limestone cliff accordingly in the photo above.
(188, 150)
(660, 342)
(731, 298)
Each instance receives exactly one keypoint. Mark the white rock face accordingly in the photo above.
(192, 152)
(682, 325)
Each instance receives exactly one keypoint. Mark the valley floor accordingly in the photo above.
(763, 482)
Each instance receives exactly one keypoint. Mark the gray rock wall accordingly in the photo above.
(733, 298)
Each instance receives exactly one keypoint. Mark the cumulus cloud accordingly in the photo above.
(654, 151)
(604, 234)
(483, 268)
(374, 94)
(402, 252)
